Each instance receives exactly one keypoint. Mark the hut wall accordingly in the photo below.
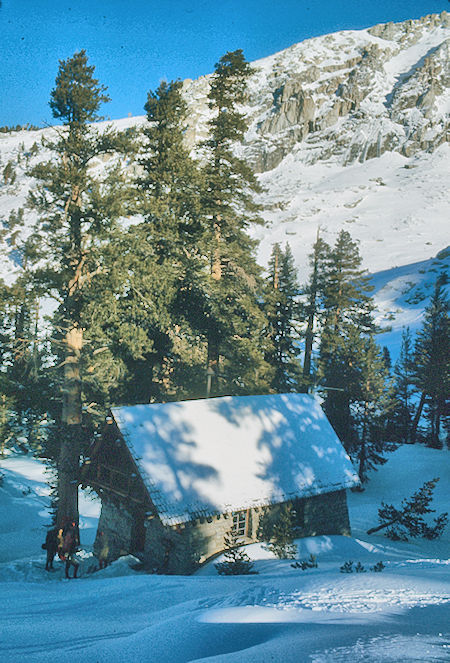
(326, 514)
(117, 524)
(179, 549)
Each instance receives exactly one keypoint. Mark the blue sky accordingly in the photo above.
(136, 43)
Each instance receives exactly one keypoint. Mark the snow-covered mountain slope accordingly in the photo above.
(350, 95)
(348, 131)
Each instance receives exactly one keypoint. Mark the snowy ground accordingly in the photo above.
(281, 614)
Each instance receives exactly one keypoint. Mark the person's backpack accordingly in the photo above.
(67, 545)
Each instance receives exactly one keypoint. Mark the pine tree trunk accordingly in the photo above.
(35, 341)
(436, 425)
(213, 343)
(216, 270)
(68, 464)
(417, 416)
(309, 335)
(213, 364)
(2, 426)
(309, 339)
(71, 432)
(372, 530)
(275, 273)
(363, 451)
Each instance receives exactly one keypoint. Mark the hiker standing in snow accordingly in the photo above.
(103, 554)
(51, 546)
(69, 548)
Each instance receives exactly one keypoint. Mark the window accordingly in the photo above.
(240, 522)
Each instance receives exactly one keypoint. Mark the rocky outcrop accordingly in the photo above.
(292, 107)
(349, 96)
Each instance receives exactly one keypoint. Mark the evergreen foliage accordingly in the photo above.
(77, 218)
(313, 292)
(278, 530)
(150, 327)
(403, 391)
(24, 388)
(310, 563)
(432, 367)
(237, 562)
(235, 321)
(347, 318)
(348, 567)
(283, 316)
(352, 370)
(370, 409)
(408, 520)
(9, 173)
(77, 95)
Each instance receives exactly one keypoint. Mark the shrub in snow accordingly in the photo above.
(9, 173)
(408, 519)
(304, 564)
(278, 530)
(348, 567)
(237, 562)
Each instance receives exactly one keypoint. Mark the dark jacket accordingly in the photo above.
(51, 540)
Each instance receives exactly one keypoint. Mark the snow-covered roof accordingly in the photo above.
(218, 455)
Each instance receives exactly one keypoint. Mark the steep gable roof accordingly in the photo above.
(205, 457)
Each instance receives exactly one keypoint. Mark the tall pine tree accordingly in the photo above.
(370, 407)
(352, 369)
(161, 263)
(404, 391)
(283, 316)
(76, 218)
(347, 317)
(234, 317)
(313, 306)
(432, 366)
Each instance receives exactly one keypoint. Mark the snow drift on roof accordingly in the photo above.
(206, 457)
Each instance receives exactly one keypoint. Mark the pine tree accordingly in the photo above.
(76, 218)
(23, 387)
(432, 365)
(404, 390)
(370, 408)
(278, 530)
(347, 287)
(408, 520)
(283, 315)
(237, 562)
(161, 265)
(312, 309)
(170, 186)
(347, 320)
(232, 307)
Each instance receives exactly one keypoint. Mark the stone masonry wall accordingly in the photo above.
(181, 548)
(117, 525)
(326, 514)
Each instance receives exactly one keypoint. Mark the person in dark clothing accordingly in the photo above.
(51, 546)
(103, 553)
(69, 549)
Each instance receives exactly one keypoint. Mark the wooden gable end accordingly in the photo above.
(111, 469)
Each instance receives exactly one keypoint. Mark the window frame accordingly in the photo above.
(241, 521)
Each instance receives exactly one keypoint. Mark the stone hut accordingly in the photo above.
(174, 478)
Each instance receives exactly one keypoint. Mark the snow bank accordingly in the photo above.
(282, 614)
